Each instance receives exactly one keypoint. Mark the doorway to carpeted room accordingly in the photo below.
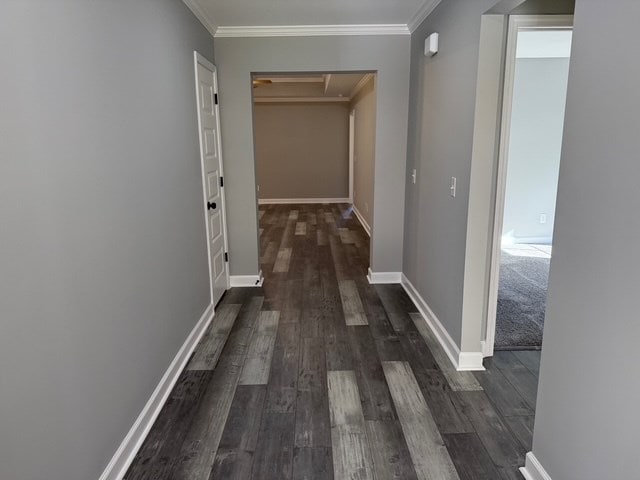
(522, 296)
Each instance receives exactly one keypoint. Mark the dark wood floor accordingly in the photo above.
(319, 375)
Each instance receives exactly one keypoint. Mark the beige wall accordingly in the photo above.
(364, 105)
(302, 150)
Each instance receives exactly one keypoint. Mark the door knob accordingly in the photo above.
(211, 205)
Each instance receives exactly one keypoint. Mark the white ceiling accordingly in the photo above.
(268, 13)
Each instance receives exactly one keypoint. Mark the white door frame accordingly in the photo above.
(517, 23)
(352, 151)
(199, 59)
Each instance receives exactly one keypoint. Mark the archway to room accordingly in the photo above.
(314, 146)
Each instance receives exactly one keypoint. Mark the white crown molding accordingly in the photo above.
(533, 469)
(423, 12)
(363, 81)
(300, 99)
(310, 30)
(201, 15)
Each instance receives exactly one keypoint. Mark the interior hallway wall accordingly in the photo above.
(302, 150)
(238, 58)
(364, 105)
(103, 257)
(449, 268)
(441, 120)
(586, 420)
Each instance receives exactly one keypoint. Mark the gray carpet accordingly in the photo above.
(522, 298)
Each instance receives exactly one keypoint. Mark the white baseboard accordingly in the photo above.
(533, 469)
(384, 277)
(447, 343)
(363, 222)
(274, 201)
(462, 361)
(470, 361)
(532, 240)
(246, 280)
(121, 460)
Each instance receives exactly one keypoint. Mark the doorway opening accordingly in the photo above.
(536, 74)
(314, 146)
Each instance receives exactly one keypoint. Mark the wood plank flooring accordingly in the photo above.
(320, 375)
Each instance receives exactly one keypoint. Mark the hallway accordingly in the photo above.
(320, 375)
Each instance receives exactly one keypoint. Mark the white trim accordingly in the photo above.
(199, 59)
(516, 23)
(300, 99)
(201, 16)
(447, 343)
(310, 30)
(470, 361)
(383, 277)
(247, 280)
(501, 183)
(278, 79)
(360, 85)
(287, 201)
(363, 222)
(533, 469)
(119, 463)
(423, 12)
(352, 152)
(462, 361)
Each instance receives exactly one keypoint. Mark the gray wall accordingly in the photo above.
(439, 147)
(302, 149)
(103, 253)
(586, 421)
(448, 267)
(387, 55)
(364, 105)
(539, 94)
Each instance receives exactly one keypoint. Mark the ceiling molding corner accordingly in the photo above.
(199, 13)
(363, 81)
(310, 30)
(423, 12)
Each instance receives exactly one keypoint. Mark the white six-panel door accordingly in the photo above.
(211, 156)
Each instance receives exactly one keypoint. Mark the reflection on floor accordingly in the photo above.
(320, 375)
(522, 296)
